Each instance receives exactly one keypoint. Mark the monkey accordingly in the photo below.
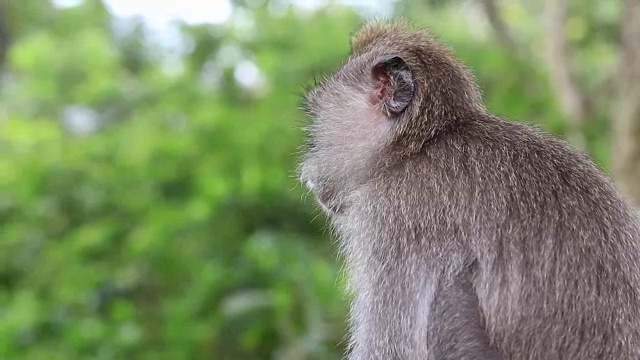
(464, 234)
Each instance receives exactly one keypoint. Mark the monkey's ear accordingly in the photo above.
(393, 85)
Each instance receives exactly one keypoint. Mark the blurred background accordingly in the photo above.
(148, 201)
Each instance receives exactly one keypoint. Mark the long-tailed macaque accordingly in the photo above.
(465, 235)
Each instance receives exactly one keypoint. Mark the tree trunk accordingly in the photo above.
(4, 35)
(573, 100)
(625, 115)
(500, 29)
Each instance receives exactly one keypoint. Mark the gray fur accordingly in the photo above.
(466, 236)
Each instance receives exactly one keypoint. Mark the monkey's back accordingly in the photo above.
(557, 247)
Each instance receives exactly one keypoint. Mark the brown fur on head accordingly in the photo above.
(398, 90)
(438, 103)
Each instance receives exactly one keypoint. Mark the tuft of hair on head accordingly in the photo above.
(374, 31)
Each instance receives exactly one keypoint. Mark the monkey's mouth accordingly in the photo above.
(326, 198)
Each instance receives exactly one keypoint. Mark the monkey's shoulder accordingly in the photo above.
(494, 159)
(498, 145)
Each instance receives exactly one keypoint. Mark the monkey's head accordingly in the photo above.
(397, 91)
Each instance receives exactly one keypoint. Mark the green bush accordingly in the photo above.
(172, 225)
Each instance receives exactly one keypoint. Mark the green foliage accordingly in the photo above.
(174, 228)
